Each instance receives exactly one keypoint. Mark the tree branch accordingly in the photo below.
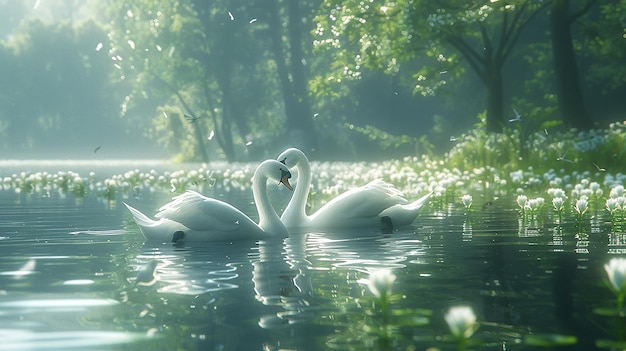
(474, 59)
(511, 43)
(195, 126)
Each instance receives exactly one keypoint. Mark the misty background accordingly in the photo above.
(241, 80)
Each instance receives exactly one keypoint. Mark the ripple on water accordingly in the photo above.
(19, 339)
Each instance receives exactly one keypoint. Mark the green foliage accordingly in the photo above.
(604, 41)
(88, 81)
(599, 150)
(435, 38)
(203, 58)
(386, 140)
(172, 123)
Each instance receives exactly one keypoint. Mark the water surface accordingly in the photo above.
(68, 268)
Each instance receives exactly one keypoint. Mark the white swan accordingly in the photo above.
(376, 204)
(195, 217)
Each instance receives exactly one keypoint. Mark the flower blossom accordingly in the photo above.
(462, 321)
(616, 271)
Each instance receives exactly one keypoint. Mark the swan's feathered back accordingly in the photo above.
(364, 206)
(362, 202)
(199, 212)
(201, 218)
(161, 230)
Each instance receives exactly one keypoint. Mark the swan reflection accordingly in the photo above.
(280, 279)
(185, 270)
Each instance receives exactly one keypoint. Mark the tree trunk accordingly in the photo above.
(303, 119)
(292, 77)
(224, 130)
(495, 105)
(201, 147)
(568, 88)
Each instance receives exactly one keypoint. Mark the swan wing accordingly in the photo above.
(362, 202)
(201, 213)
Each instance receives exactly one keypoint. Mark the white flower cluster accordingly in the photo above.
(616, 203)
(589, 140)
(62, 181)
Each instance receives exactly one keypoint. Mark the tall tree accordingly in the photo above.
(477, 34)
(200, 59)
(288, 47)
(604, 53)
(569, 93)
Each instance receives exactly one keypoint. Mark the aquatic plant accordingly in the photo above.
(535, 204)
(462, 323)
(380, 282)
(616, 272)
(529, 206)
(558, 204)
(615, 206)
(78, 187)
(466, 200)
(581, 206)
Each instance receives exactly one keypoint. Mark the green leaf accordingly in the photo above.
(549, 340)
(611, 344)
(606, 311)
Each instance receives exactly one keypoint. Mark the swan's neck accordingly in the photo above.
(296, 208)
(268, 219)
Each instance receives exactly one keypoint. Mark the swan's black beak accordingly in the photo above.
(284, 178)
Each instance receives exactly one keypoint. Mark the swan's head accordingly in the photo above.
(292, 157)
(276, 171)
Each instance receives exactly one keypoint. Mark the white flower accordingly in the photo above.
(617, 191)
(581, 206)
(466, 200)
(557, 202)
(462, 321)
(535, 204)
(557, 192)
(594, 186)
(612, 205)
(616, 270)
(380, 282)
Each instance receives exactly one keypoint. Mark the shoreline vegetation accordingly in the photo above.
(500, 164)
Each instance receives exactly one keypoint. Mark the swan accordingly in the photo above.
(195, 217)
(376, 204)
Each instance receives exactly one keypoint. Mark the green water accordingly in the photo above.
(520, 277)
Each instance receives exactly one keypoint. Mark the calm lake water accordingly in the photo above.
(67, 270)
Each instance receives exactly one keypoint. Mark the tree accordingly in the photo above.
(202, 60)
(569, 93)
(604, 38)
(455, 35)
(287, 44)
